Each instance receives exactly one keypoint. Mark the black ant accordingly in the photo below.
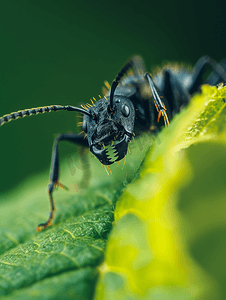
(127, 109)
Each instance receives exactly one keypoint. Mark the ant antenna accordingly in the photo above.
(157, 100)
(117, 80)
(37, 110)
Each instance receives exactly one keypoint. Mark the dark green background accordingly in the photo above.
(60, 52)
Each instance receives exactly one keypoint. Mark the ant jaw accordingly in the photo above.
(119, 150)
(101, 154)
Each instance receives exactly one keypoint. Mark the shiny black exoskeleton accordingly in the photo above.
(104, 128)
(134, 103)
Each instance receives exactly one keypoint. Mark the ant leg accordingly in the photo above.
(54, 174)
(159, 103)
(214, 77)
(198, 72)
(174, 92)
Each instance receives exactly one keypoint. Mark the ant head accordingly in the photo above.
(109, 127)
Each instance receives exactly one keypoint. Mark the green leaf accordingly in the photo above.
(168, 236)
(61, 261)
(168, 239)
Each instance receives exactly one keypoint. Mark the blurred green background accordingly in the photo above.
(60, 52)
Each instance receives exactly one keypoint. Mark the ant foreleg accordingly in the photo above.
(54, 174)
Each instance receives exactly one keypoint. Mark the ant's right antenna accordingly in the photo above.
(37, 110)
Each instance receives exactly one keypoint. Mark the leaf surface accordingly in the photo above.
(168, 239)
(68, 252)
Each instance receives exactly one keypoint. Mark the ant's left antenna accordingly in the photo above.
(37, 110)
(117, 80)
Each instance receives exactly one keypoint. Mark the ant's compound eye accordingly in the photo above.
(84, 125)
(125, 110)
